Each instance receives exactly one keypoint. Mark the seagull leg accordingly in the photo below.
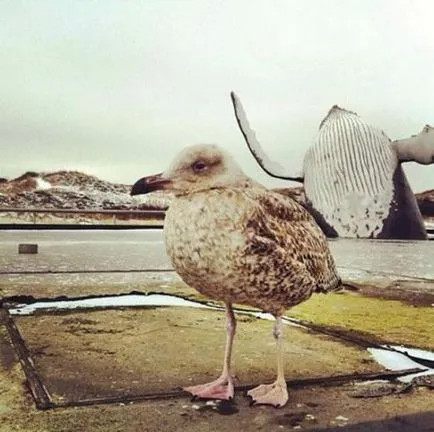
(275, 394)
(222, 387)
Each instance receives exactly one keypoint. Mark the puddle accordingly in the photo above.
(404, 358)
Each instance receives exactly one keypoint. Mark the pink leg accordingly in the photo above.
(222, 387)
(275, 394)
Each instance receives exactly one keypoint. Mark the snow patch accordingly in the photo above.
(125, 301)
(396, 361)
(101, 302)
(42, 184)
(415, 352)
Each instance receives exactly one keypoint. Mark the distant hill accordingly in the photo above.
(76, 190)
(426, 203)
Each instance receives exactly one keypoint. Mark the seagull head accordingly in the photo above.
(196, 168)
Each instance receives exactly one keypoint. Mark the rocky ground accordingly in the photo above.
(73, 190)
(426, 203)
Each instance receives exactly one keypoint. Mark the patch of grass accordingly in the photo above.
(389, 319)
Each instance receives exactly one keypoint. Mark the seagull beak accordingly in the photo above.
(149, 184)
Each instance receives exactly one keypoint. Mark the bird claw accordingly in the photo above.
(275, 394)
(222, 388)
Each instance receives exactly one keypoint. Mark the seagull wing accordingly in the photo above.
(282, 235)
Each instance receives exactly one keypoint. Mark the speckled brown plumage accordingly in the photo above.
(248, 245)
(237, 242)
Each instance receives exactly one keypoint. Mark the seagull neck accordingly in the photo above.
(197, 190)
(245, 183)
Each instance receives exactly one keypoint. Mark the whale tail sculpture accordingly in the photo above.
(352, 175)
(274, 169)
(418, 148)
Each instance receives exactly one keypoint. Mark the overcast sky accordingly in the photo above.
(115, 88)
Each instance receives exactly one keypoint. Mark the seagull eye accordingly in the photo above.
(199, 166)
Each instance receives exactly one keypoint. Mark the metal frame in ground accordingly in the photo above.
(43, 399)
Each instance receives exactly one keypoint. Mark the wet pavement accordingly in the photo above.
(144, 249)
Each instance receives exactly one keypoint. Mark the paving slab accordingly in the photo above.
(309, 408)
(107, 353)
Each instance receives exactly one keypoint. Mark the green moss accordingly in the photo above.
(389, 319)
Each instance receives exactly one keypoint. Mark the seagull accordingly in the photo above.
(235, 241)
